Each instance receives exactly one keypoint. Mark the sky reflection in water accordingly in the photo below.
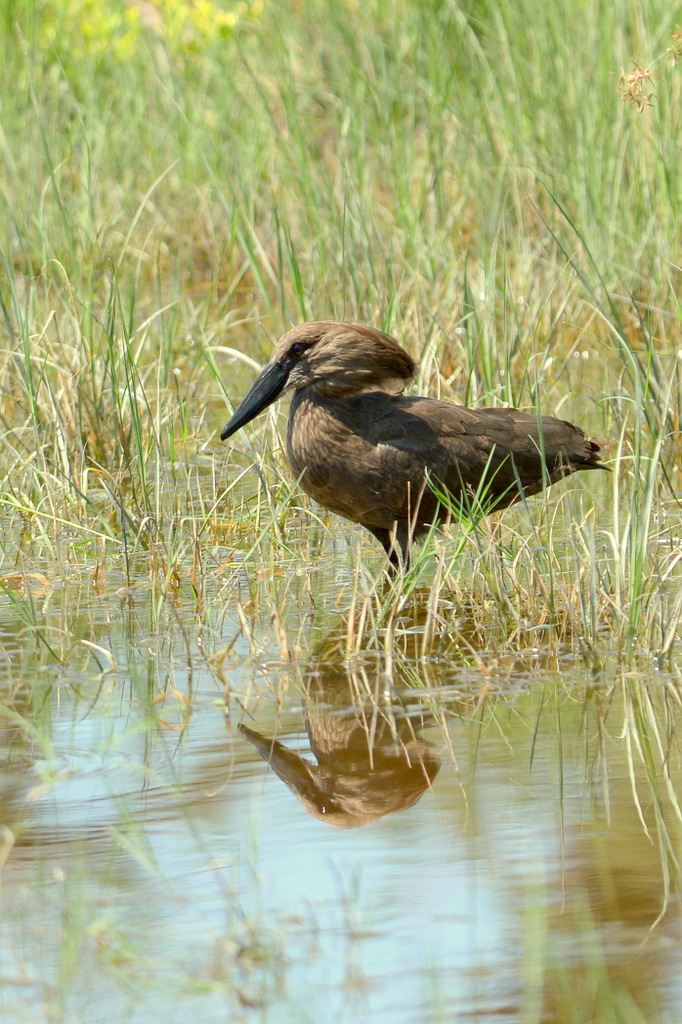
(159, 878)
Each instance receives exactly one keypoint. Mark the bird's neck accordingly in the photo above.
(314, 410)
(321, 424)
(321, 401)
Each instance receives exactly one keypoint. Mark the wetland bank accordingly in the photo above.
(247, 775)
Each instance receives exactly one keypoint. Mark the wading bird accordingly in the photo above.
(397, 463)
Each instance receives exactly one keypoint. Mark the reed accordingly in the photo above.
(496, 185)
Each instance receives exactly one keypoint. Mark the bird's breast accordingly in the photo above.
(336, 465)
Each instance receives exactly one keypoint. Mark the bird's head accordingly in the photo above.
(331, 357)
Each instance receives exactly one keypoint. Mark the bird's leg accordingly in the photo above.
(391, 541)
(403, 538)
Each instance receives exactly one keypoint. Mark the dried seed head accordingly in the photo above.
(632, 85)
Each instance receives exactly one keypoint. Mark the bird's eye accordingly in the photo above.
(297, 349)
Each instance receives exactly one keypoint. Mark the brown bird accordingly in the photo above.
(395, 463)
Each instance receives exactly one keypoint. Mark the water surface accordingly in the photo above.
(205, 822)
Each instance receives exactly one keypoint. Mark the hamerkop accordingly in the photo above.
(398, 463)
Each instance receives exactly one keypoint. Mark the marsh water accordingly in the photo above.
(230, 814)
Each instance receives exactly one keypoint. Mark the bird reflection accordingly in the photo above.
(371, 758)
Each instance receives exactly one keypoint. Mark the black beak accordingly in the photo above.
(268, 386)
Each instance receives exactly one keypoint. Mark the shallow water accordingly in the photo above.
(458, 840)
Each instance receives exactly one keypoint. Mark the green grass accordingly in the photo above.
(467, 177)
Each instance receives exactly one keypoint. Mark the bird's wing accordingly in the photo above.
(484, 451)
